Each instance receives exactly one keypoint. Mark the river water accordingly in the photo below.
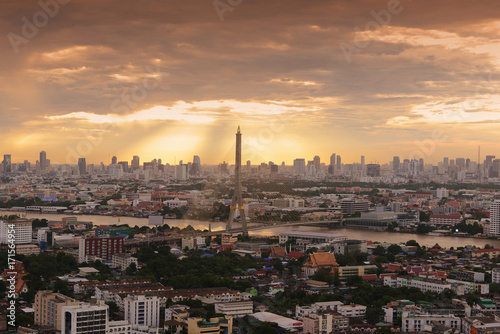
(389, 237)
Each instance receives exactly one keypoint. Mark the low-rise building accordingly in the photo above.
(416, 323)
(449, 219)
(319, 260)
(220, 325)
(480, 324)
(235, 309)
(352, 311)
(325, 322)
(490, 252)
(123, 260)
(285, 323)
(495, 275)
(469, 276)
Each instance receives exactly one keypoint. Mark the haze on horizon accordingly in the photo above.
(170, 79)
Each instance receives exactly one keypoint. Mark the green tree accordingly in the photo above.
(62, 287)
(379, 250)
(113, 307)
(412, 243)
(323, 275)
(394, 249)
(374, 315)
(472, 300)
(424, 216)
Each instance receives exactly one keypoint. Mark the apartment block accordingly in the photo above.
(325, 322)
(142, 310)
(85, 319)
(235, 309)
(48, 308)
(22, 231)
(352, 311)
(102, 248)
(123, 260)
(416, 323)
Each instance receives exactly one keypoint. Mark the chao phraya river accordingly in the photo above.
(390, 237)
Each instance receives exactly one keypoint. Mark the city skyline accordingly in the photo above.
(172, 80)
(334, 159)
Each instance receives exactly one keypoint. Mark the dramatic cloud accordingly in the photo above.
(170, 79)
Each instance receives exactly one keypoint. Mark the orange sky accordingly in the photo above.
(170, 79)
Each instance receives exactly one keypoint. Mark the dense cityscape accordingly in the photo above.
(284, 264)
(250, 167)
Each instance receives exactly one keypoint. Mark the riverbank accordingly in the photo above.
(379, 236)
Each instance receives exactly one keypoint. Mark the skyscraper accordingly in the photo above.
(82, 166)
(332, 159)
(299, 166)
(317, 162)
(7, 163)
(114, 160)
(43, 161)
(373, 170)
(331, 167)
(362, 160)
(339, 161)
(195, 166)
(135, 162)
(395, 163)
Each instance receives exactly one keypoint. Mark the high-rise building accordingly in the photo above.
(224, 168)
(421, 164)
(180, 172)
(339, 161)
(43, 161)
(332, 159)
(373, 170)
(299, 166)
(142, 310)
(48, 308)
(124, 166)
(195, 166)
(494, 170)
(103, 248)
(446, 162)
(488, 160)
(114, 160)
(362, 161)
(495, 217)
(317, 162)
(85, 319)
(460, 162)
(136, 163)
(395, 163)
(22, 231)
(7, 163)
(82, 166)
